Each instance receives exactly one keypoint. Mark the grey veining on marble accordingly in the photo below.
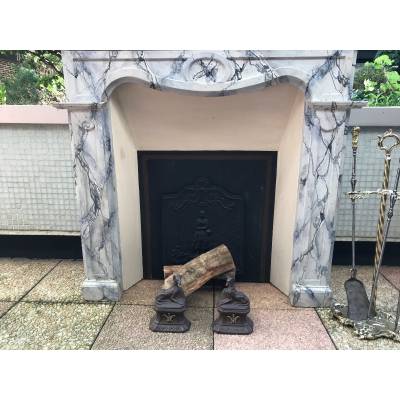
(95, 185)
(325, 77)
(92, 75)
(317, 199)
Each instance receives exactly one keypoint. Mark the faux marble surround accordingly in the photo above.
(325, 77)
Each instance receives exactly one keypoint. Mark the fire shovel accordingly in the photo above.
(357, 298)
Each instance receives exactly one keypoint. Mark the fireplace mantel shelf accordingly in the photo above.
(318, 105)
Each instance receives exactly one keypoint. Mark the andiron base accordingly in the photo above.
(233, 322)
(169, 320)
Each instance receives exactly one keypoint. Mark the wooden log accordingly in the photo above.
(201, 269)
(169, 270)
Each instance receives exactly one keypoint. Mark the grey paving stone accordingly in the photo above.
(52, 325)
(19, 275)
(5, 306)
(128, 328)
(295, 329)
(392, 274)
(262, 295)
(62, 284)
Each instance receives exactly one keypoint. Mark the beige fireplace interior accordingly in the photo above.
(268, 119)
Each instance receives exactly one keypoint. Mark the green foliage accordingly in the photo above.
(22, 88)
(393, 55)
(38, 78)
(2, 94)
(368, 71)
(378, 82)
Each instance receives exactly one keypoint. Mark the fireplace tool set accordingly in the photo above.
(361, 313)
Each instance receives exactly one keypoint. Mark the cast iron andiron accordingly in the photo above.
(233, 308)
(170, 306)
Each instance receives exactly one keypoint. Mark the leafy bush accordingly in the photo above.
(2, 94)
(22, 88)
(393, 55)
(38, 78)
(378, 82)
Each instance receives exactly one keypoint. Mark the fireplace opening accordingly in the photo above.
(193, 201)
(265, 120)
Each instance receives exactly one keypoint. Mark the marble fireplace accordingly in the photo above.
(292, 102)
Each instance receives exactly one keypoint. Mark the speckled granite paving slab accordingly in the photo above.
(392, 274)
(143, 293)
(62, 284)
(128, 328)
(344, 338)
(5, 306)
(19, 275)
(52, 326)
(299, 329)
(386, 296)
(261, 295)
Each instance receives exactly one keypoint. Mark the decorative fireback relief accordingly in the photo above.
(192, 202)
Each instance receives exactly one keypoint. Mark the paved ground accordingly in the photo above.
(41, 308)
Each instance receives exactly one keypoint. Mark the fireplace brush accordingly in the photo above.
(392, 202)
(382, 207)
(357, 299)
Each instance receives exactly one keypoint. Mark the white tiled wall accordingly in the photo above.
(36, 179)
(369, 177)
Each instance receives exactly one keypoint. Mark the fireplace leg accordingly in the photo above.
(310, 296)
(96, 290)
